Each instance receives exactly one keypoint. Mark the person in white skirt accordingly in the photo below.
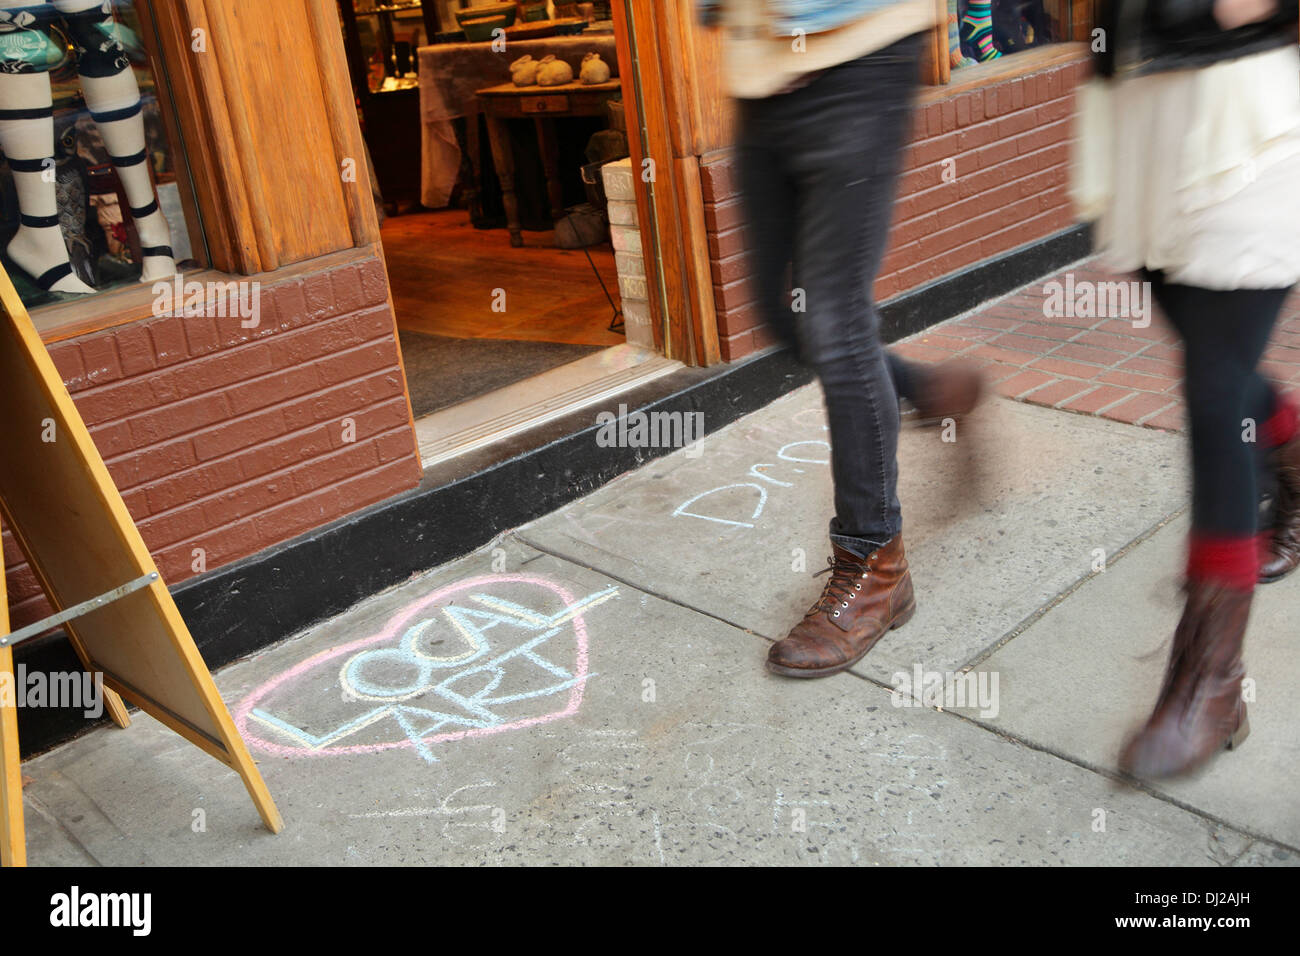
(1187, 156)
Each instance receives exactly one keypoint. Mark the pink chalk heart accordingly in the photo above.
(261, 723)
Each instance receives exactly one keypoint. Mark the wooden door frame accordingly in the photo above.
(668, 78)
(200, 42)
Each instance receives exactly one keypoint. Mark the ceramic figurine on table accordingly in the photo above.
(594, 69)
(553, 72)
(523, 72)
(27, 133)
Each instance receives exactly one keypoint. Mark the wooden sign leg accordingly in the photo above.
(13, 843)
(13, 840)
(232, 750)
(116, 708)
(254, 783)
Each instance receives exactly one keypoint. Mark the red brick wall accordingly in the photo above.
(231, 439)
(1009, 144)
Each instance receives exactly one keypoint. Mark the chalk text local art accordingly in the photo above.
(478, 657)
(218, 300)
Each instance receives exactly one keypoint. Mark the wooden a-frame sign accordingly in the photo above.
(57, 498)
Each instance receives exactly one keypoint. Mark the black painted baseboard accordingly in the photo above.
(463, 504)
(953, 294)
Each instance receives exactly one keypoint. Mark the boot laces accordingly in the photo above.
(843, 585)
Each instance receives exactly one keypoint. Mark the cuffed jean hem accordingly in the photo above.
(859, 546)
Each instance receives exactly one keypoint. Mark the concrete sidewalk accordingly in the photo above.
(591, 689)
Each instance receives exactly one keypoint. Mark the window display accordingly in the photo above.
(89, 198)
(983, 30)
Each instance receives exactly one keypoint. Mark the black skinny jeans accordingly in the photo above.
(818, 170)
(1224, 335)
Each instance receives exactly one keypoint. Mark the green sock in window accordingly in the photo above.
(977, 29)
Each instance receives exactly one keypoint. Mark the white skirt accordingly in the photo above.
(1196, 172)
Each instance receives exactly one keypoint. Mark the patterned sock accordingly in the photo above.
(955, 57)
(977, 29)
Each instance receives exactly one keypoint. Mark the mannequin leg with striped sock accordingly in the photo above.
(27, 138)
(114, 100)
(956, 58)
(977, 29)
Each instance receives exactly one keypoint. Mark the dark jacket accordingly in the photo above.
(1150, 36)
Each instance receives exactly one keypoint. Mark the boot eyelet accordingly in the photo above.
(858, 587)
(844, 604)
(837, 613)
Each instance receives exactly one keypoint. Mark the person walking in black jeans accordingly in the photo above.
(821, 133)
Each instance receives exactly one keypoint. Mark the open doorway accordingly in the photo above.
(475, 315)
(498, 142)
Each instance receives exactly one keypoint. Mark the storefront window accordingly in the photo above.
(980, 31)
(90, 197)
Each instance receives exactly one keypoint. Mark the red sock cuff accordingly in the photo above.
(1233, 562)
(1282, 425)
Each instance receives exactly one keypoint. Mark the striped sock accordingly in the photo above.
(955, 57)
(977, 29)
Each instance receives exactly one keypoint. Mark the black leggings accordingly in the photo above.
(1224, 335)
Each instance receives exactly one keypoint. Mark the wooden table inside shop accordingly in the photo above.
(541, 104)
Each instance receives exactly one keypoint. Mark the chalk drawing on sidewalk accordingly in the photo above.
(478, 657)
(460, 823)
(732, 503)
(682, 511)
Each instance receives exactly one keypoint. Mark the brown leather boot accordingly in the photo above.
(1200, 709)
(864, 598)
(949, 390)
(1283, 554)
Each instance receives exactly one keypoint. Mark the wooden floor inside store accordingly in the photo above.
(443, 274)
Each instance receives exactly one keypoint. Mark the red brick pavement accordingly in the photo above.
(1093, 366)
